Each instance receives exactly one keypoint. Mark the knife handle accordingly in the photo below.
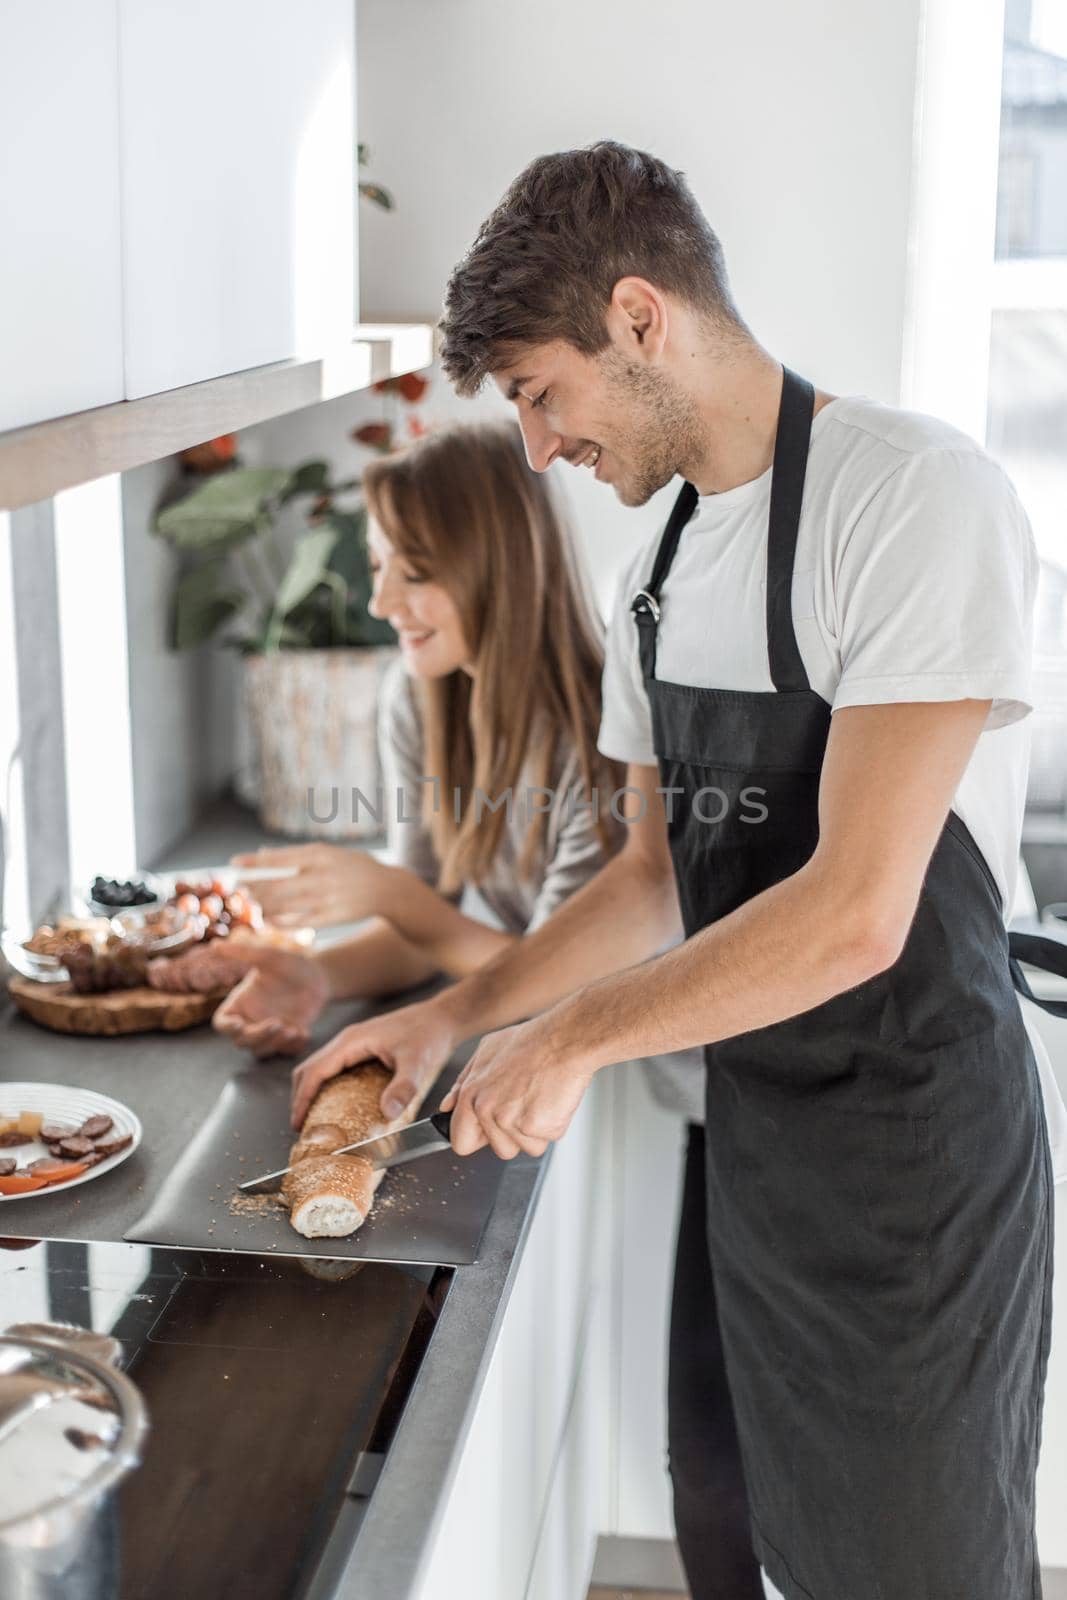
(442, 1121)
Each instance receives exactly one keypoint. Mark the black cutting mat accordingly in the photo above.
(431, 1211)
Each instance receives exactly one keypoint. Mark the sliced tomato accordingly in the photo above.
(57, 1171)
(22, 1183)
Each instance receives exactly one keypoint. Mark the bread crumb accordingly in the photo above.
(257, 1205)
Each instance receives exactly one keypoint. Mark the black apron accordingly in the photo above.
(879, 1183)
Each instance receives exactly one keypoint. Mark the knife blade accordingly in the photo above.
(420, 1138)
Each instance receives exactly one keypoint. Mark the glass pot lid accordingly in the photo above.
(70, 1425)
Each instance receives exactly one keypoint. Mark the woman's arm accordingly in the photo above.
(333, 884)
(282, 992)
(416, 935)
(435, 928)
(375, 961)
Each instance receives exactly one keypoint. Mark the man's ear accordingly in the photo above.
(638, 319)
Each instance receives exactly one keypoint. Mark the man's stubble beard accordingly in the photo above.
(661, 434)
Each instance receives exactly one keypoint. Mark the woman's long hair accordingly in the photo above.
(463, 509)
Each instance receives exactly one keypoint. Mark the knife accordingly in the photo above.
(388, 1150)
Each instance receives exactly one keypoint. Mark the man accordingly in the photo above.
(817, 676)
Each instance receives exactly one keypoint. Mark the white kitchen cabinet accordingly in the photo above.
(60, 265)
(568, 1440)
(531, 1493)
(648, 1168)
(238, 184)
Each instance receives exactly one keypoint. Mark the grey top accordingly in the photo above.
(571, 855)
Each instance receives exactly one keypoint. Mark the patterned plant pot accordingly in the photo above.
(310, 761)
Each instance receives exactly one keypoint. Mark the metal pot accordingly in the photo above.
(71, 1428)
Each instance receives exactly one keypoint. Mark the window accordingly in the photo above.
(1032, 193)
(1027, 421)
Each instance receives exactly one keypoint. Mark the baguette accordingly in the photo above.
(330, 1196)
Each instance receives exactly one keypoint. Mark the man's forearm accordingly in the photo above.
(787, 950)
(622, 916)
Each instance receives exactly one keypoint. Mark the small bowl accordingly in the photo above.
(184, 930)
(28, 964)
(32, 963)
(99, 908)
(128, 926)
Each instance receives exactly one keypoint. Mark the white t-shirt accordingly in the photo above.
(914, 580)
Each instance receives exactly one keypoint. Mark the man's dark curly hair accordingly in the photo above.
(546, 260)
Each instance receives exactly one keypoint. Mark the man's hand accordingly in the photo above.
(414, 1042)
(519, 1091)
(272, 1009)
(327, 884)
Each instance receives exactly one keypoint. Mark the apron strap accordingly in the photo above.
(645, 604)
(1049, 955)
(787, 494)
(791, 443)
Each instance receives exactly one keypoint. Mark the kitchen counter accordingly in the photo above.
(380, 1545)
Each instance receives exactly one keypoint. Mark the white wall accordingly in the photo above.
(793, 123)
(14, 854)
(182, 703)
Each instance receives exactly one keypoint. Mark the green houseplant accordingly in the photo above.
(312, 655)
(234, 572)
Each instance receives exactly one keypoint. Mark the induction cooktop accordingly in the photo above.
(273, 1387)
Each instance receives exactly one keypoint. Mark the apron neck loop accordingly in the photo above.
(791, 443)
(645, 604)
(787, 493)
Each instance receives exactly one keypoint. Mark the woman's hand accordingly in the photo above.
(272, 1009)
(519, 1091)
(211, 966)
(328, 883)
(414, 1042)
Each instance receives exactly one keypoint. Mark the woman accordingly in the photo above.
(488, 731)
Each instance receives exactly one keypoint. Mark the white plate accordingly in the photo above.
(64, 1103)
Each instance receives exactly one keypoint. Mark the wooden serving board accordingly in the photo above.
(141, 1010)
